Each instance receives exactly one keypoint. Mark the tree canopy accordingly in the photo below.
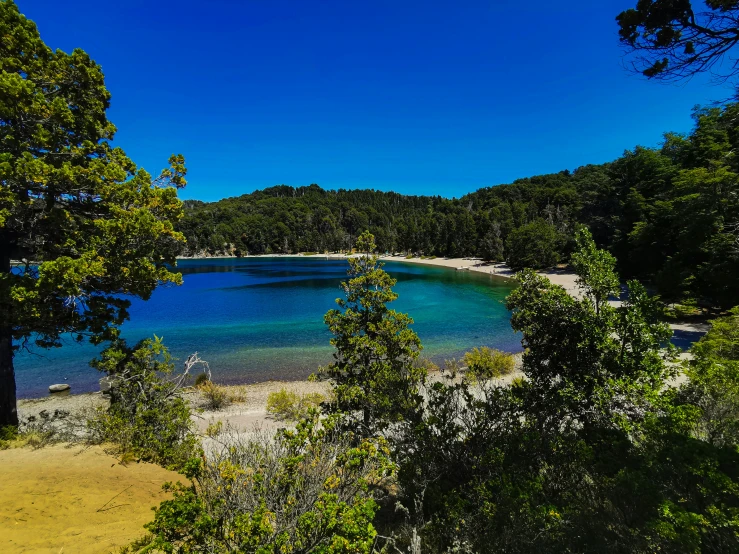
(674, 40)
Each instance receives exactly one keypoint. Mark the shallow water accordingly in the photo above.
(256, 319)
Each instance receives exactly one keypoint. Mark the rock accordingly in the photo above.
(106, 385)
(59, 388)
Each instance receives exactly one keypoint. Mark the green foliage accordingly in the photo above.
(592, 451)
(147, 419)
(201, 379)
(290, 406)
(596, 269)
(373, 373)
(714, 382)
(487, 363)
(307, 490)
(90, 226)
(534, 246)
(491, 245)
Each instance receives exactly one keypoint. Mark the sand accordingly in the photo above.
(251, 414)
(59, 499)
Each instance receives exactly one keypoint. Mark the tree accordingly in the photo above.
(535, 246)
(373, 373)
(672, 41)
(87, 225)
(491, 246)
(596, 269)
(714, 381)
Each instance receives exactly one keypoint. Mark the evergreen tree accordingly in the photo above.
(373, 374)
(87, 226)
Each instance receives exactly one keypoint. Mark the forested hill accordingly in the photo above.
(670, 215)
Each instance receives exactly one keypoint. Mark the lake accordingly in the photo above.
(255, 319)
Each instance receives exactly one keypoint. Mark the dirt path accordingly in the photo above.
(63, 500)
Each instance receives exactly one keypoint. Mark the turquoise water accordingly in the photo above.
(262, 318)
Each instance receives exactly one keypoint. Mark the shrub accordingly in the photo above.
(201, 379)
(147, 419)
(488, 363)
(289, 406)
(307, 490)
(217, 397)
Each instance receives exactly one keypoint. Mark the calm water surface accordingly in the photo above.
(262, 318)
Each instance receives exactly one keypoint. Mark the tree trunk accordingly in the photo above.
(8, 411)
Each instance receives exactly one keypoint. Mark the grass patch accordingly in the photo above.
(287, 405)
(217, 397)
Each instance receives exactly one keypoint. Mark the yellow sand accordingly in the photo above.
(61, 500)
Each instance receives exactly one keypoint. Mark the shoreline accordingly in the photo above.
(498, 269)
(565, 278)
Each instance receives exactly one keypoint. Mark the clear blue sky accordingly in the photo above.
(431, 97)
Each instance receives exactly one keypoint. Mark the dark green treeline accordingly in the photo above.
(669, 214)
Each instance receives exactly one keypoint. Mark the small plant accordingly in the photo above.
(201, 379)
(217, 397)
(287, 405)
(487, 363)
(685, 310)
(425, 364)
(8, 435)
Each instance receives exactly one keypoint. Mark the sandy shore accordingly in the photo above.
(243, 415)
(68, 499)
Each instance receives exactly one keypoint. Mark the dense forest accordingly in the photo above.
(669, 214)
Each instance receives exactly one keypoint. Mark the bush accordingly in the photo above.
(307, 490)
(488, 363)
(289, 406)
(147, 419)
(217, 397)
(201, 379)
